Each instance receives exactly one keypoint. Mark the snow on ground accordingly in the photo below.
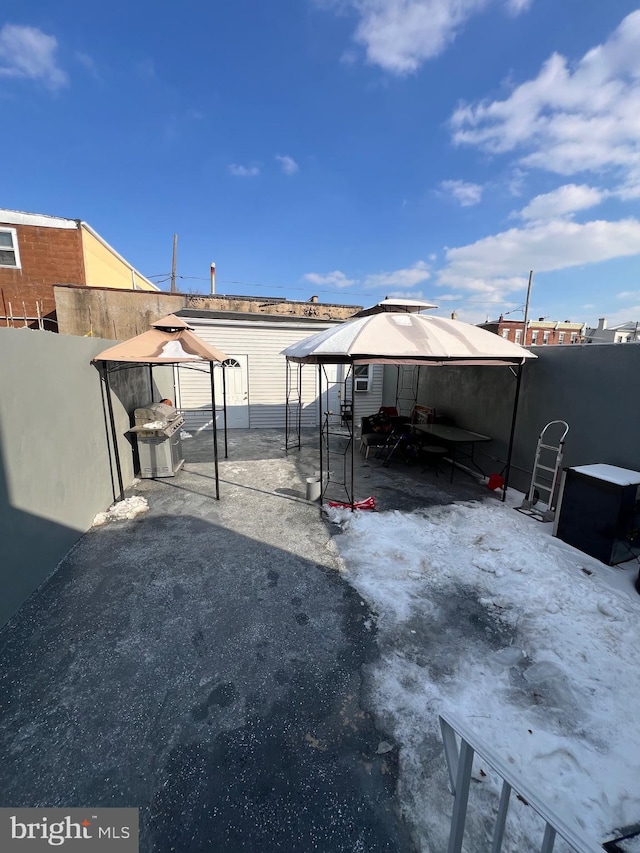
(482, 613)
(128, 508)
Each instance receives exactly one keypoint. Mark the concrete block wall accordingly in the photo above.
(123, 314)
(592, 388)
(55, 470)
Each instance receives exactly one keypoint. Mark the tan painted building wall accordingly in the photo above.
(104, 267)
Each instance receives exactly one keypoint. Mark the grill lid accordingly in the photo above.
(152, 412)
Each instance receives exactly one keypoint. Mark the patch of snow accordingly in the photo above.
(154, 425)
(611, 474)
(128, 508)
(482, 613)
(184, 434)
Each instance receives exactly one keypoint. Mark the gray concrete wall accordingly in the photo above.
(593, 388)
(55, 470)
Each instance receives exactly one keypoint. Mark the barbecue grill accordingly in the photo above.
(157, 430)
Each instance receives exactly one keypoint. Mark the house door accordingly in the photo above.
(237, 387)
(194, 395)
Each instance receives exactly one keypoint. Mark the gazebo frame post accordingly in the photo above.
(296, 395)
(353, 434)
(320, 436)
(224, 408)
(114, 435)
(516, 398)
(215, 430)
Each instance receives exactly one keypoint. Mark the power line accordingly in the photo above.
(333, 293)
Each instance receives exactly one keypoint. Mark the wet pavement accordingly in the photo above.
(203, 662)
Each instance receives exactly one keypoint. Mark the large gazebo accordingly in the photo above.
(401, 338)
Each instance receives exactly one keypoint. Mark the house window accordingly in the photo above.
(560, 337)
(505, 333)
(574, 337)
(534, 338)
(518, 336)
(545, 338)
(9, 254)
(361, 377)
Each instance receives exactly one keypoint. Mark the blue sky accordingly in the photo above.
(352, 149)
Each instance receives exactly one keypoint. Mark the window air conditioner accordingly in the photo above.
(362, 384)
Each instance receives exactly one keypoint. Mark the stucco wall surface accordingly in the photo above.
(123, 314)
(54, 464)
(593, 388)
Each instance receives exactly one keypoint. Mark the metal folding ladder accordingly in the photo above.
(544, 478)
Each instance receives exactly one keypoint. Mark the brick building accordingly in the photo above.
(539, 332)
(37, 252)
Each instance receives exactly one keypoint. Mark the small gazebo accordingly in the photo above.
(170, 341)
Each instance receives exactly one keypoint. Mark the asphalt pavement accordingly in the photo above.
(204, 663)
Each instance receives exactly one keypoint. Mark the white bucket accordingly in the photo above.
(314, 488)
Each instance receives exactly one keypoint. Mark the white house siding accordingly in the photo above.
(262, 341)
(369, 402)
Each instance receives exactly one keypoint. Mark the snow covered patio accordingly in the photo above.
(218, 665)
(480, 612)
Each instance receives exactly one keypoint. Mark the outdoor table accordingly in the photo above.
(454, 438)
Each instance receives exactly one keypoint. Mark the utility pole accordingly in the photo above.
(526, 309)
(173, 263)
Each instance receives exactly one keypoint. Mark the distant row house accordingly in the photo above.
(539, 332)
(623, 333)
(38, 252)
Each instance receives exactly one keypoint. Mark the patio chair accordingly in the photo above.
(375, 431)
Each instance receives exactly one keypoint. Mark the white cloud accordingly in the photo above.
(628, 314)
(464, 193)
(89, 64)
(569, 119)
(400, 35)
(409, 277)
(497, 266)
(333, 279)
(628, 294)
(562, 201)
(409, 294)
(548, 246)
(516, 7)
(243, 171)
(288, 164)
(26, 52)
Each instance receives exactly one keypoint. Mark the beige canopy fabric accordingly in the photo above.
(171, 341)
(406, 338)
(171, 321)
(391, 303)
(161, 346)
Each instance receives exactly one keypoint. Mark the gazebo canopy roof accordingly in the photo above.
(171, 341)
(392, 303)
(406, 338)
(171, 322)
